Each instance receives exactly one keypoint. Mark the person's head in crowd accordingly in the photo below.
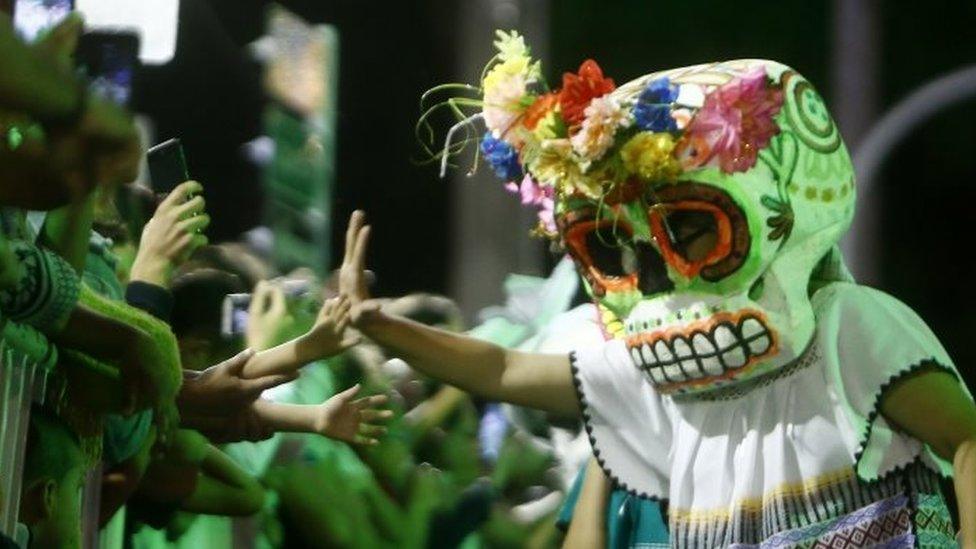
(54, 473)
(198, 299)
(232, 258)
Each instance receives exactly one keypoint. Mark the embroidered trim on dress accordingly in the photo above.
(930, 364)
(585, 413)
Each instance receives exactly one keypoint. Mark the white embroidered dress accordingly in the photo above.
(798, 458)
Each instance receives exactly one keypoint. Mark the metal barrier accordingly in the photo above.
(26, 359)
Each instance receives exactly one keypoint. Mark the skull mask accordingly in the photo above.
(696, 202)
(709, 273)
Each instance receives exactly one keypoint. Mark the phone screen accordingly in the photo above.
(33, 17)
(108, 60)
(234, 317)
(167, 166)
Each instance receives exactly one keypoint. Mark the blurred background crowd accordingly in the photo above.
(131, 417)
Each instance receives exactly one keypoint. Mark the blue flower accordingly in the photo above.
(502, 158)
(653, 109)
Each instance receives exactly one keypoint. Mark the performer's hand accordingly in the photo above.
(352, 273)
(343, 418)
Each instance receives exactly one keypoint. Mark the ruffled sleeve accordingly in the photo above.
(870, 341)
(627, 421)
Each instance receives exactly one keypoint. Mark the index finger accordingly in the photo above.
(352, 232)
(180, 193)
(359, 255)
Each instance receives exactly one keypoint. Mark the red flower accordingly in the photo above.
(538, 109)
(579, 89)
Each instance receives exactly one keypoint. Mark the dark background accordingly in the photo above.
(392, 51)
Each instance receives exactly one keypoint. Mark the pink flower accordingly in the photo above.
(531, 192)
(735, 122)
(547, 215)
(541, 196)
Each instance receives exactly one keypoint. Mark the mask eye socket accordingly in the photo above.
(692, 234)
(606, 253)
(600, 248)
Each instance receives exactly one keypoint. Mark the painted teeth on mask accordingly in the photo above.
(708, 358)
(755, 336)
(681, 359)
(686, 358)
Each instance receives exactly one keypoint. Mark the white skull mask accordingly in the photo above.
(709, 274)
(696, 202)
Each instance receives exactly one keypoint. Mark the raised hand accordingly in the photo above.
(172, 235)
(352, 273)
(267, 317)
(344, 417)
(353, 276)
(328, 334)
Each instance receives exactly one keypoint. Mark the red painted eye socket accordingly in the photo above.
(595, 244)
(692, 234)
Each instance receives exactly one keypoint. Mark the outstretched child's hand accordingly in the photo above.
(343, 418)
(328, 336)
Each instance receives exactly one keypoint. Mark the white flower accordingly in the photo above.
(503, 102)
(604, 116)
(510, 45)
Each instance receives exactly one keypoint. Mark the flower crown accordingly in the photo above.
(585, 140)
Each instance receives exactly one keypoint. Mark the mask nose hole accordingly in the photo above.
(652, 277)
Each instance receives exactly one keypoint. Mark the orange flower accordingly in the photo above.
(579, 89)
(538, 109)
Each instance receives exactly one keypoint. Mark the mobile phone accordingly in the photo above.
(234, 315)
(33, 17)
(108, 60)
(167, 166)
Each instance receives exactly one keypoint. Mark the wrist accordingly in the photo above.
(158, 272)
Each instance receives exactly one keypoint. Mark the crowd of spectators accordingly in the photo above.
(156, 418)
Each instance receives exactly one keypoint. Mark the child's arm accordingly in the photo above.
(533, 380)
(342, 417)
(223, 488)
(218, 487)
(933, 408)
(588, 526)
(326, 338)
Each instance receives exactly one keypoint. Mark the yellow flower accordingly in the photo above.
(506, 71)
(649, 156)
(555, 165)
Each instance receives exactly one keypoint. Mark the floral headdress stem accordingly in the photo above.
(463, 124)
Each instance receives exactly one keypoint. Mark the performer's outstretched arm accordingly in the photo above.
(534, 380)
(933, 408)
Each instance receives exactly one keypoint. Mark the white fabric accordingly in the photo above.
(808, 424)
